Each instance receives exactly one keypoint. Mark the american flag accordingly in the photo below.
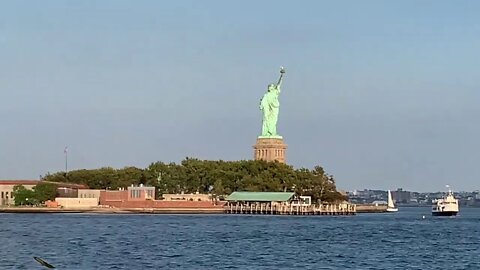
(65, 150)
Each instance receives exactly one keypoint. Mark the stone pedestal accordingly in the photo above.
(270, 149)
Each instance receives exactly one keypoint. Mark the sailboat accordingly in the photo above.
(390, 205)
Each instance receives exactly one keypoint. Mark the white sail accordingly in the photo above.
(390, 203)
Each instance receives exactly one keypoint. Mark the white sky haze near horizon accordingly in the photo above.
(381, 94)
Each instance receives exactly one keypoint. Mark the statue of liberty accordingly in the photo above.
(270, 107)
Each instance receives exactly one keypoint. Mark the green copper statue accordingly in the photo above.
(270, 107)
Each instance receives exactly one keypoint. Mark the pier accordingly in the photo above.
(282, 203)
(280, 209)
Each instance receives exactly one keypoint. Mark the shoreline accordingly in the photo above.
(360, 209)
(119, 211)
(99, 210)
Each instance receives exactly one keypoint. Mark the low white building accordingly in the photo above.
(89, 193)
(77, 202)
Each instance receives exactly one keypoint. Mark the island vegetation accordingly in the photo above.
(219, 178)
(41, 193)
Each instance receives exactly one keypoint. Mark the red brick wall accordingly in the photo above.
(121, 199)
(113, 196)
(162, 204)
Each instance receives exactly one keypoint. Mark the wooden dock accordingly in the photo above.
(289, 209)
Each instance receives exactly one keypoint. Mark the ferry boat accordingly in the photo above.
(447, 206)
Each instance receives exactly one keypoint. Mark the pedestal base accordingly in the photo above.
(270, 149)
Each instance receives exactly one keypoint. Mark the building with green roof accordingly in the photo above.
(281, 203)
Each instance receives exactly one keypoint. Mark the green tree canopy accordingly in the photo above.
(45, 191)
(23, 196)
(218, 177)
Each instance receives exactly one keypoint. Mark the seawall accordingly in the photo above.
(104, 210)
(370, 208)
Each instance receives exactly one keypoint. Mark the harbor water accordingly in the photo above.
(409, 239)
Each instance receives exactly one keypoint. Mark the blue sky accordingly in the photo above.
(382, 94)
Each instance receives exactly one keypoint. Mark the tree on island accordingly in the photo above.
(41, 193)
(207, 176)
(45, 192)
(23, 196)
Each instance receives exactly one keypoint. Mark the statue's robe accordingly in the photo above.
(270, 107)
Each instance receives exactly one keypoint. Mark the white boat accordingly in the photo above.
(446, 206)
(390, 205)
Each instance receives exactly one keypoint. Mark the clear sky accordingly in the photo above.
(382, 94)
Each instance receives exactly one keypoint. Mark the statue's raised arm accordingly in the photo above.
(279, 84)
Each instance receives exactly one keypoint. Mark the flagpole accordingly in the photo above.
(66, 160)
